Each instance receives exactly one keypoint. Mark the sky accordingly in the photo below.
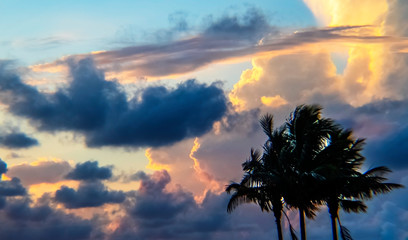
(127, 119)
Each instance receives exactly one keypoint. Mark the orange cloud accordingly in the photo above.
(275, 101)
(211, 183)
(362, 80)
(155, 165)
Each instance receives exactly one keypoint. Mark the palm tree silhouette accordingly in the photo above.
(264, 180)
(342, 185)
(308, 162)
(308, 134)
(251, 190)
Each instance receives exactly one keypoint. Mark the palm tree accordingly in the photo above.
(342, 185)
(250, 190)
(361, 186)
(308, 135)
(308, 162)
(264, 178)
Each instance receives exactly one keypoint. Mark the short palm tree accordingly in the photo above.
(251, 190)
(264, 178)
(342, 185)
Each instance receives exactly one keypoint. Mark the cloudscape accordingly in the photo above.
(128, 119)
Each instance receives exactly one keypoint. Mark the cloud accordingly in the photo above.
(89, 170)
(382, 123)
(186, 55)
(40, 172)
(104, 115)
(396, 16)
(294, 78)
(211, 161)
(21, 221)
(13, 155)
(12, 188)
(38, 44)
(89, 194)
(152, 193)
(390, 150)
(245, 122)
(252, 25)
(3, 167)
(20, 210)
(156, 213)
(236, 36)
(17, 140)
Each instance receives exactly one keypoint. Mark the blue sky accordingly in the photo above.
(126, 119)
(45, 30)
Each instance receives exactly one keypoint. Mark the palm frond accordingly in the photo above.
(253, 162)
(345, 233)
(353, 205)
(291, 229)
(267, 124)
(292, 233)
(377, 171)
(242, 194)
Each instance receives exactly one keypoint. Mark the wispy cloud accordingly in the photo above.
(222, 39)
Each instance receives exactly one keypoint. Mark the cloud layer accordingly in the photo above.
(100, 110)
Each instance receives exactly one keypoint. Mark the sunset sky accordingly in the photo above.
(127, 119)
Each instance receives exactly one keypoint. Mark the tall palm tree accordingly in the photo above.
(308, 135)
(339, 162)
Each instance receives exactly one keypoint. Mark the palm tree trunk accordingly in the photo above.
(279, 227)
(333, 207)
(277, 212)
(334, 227)
(302, 224)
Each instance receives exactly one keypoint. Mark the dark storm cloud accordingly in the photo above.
(20, 210)
(99, 109)
(391, 151)
(3, 167)
(383, 123)
(152, 195)
(244, 121)
(90, 170)
(21, 221)
(89, 194)
(155, 213)
(41, 172)
(12, 188)
(17, 140)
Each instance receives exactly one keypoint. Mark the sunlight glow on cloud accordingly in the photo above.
(152, 165)
(43, 170)
(248, 77)
(275, 101)
(365, 68)
(209, 180)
